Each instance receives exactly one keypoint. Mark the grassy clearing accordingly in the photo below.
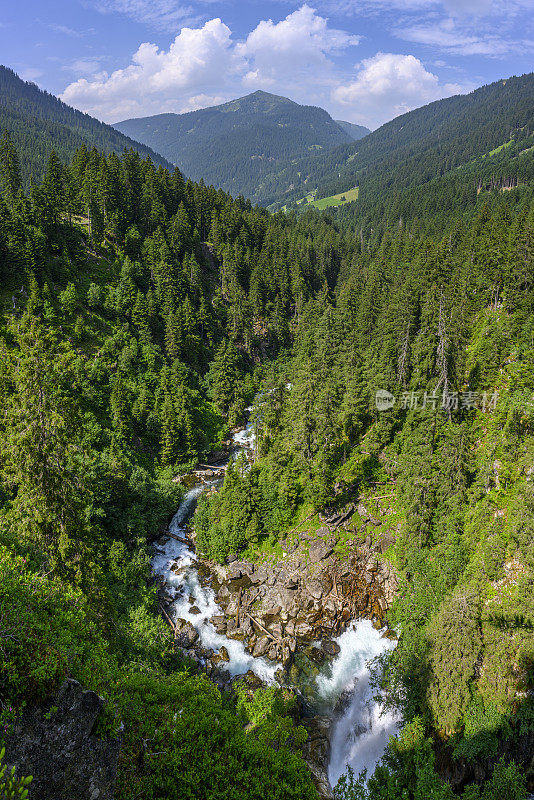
(498, 149)
(327, 202)
(336, 199)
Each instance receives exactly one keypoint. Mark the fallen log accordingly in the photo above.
(180, 539)
(169, 620)
(260, 626)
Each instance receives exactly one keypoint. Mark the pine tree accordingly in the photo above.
(10, 170)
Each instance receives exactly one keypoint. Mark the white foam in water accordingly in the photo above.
(186, 584)
(246, 437)
(362, 730)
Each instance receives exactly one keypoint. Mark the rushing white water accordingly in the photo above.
(175, 561)
(362, 728)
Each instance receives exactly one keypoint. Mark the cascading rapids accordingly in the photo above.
(175, 561)
(362, 728)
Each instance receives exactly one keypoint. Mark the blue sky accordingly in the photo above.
(365, 61)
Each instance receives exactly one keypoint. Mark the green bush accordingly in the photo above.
(10, 786)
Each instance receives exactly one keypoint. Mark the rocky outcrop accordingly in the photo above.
(316, 752)
(55, 743)
(307, 595)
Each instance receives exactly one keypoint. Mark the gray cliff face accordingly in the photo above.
(55, 743)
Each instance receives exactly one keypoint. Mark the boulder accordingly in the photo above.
(261, 647)
(330, 648)
(314, 588)
(319, 550)
(223, 654)
(186, 636)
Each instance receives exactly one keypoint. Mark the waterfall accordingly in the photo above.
(361, 727)
(176, 563)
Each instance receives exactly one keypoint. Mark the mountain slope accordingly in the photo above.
(235, 144)
(355, 132)
(39, 122)
(418, 146)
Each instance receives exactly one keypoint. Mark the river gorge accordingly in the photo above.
(312, 620)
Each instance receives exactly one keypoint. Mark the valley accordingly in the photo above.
(266, 501)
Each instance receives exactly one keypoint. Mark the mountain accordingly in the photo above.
(39, 122)
(418, 146)
(355, 132)
(235, 144)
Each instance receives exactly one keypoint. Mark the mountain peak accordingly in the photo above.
(236, 144)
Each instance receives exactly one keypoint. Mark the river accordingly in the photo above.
(360, 728)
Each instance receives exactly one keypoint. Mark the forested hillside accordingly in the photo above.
(419, 146)
(236, 144)
(442, 329)
(128, 346)
(142, 314)
(356, 132)
(39, 122)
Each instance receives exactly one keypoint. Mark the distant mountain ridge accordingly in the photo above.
(356, 132)
(418, 146)
(39, 122)
(235, 144)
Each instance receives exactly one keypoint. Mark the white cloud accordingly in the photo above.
(158, 80)
(86, 65)
(164, 15)
(390, 84)
(278, 53)
(474, 8)
(203, 65)
(66, 30)
(448, 36)
(296, 57)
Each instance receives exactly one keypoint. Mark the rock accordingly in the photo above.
(234, 572)
(194, 610)
(319, 550)
(315, 588)
(316, 752)
(272, 612)
(187, 636)
(219, 623)
(55, 743)
(223, 654)
(251, 680)
(303, 630)
(330, 648)
(262, 645)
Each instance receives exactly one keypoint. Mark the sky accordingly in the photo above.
(365, 61)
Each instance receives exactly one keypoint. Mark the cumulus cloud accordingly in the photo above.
(282, 51)
(297, 57)
(159, 80)
(389, 84)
